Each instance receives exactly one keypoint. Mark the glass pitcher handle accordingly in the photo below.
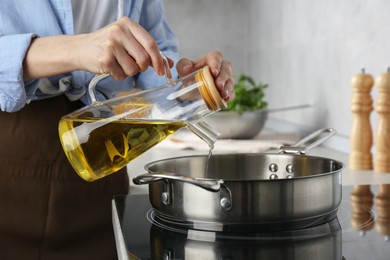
(92, 85)
(97, 78)
(167, 69)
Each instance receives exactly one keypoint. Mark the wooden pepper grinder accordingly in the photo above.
(382, 201)
(361, 133)
(382, 135)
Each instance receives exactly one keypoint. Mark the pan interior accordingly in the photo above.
(246, 166)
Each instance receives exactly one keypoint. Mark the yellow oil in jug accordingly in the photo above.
(96, 147)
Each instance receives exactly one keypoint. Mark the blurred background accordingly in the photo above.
(307, 51)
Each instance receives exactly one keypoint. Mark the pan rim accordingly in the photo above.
(333, 172)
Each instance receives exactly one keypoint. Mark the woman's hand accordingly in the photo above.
(219, 68)
(120, 49)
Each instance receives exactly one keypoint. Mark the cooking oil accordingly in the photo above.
(97, 147)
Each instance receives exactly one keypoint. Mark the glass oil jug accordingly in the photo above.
(104, 137)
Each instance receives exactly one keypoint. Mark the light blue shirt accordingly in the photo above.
(21, 20)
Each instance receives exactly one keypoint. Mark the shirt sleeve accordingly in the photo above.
(13, 49)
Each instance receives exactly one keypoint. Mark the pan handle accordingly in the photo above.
(210, 185)
(309, 142)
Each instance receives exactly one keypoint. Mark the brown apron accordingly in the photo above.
(46, 210)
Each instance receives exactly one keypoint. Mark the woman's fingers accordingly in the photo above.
(120, 49)
(220, 69)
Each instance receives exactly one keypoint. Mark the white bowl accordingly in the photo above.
(232, 125)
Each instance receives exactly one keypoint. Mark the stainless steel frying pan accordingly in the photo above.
(285, 190)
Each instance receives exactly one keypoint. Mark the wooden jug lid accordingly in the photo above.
(209, 91)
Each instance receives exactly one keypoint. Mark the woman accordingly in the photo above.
(49, 51)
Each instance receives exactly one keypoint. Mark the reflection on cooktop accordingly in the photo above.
(329, 228)
(351, 235)
(318, 242)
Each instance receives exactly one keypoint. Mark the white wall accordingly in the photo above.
(207, 25)
(307, 51)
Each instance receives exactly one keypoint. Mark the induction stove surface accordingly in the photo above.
(360, 231)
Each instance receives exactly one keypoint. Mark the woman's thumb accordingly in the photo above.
(184, 67)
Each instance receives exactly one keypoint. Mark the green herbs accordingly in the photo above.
(249, 95)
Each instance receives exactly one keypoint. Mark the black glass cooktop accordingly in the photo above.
(360, 231)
